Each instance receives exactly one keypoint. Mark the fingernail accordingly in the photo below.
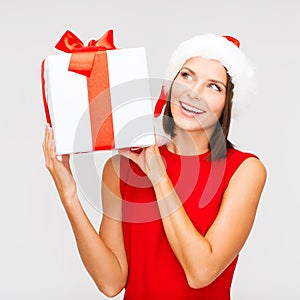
(136, 149)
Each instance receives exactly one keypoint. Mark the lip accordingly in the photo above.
(190, 110)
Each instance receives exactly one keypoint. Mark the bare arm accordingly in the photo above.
(102, 259)
(203, 258)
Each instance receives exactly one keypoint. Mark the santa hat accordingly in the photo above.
(226, 50)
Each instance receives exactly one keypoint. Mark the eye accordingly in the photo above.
(186, 75)
(215, 87)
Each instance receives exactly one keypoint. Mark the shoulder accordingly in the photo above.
(234, 155)
(246, 169)
(235, 158)
(247, 164)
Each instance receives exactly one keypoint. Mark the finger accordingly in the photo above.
(124, 152)
(152, 150)
(160, 139)
(47, 137)
(129, 154)
(45, 144)
(136, 149)
(44, 139)
(44, 149)
(50, 146)
(47, 140)
(49, 163)
(155, 137)
(156, 149)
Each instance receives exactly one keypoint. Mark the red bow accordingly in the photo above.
(82, 58)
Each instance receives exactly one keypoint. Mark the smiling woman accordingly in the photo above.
(198, 96)
(207, 93)
(175, 216)
(206, 191)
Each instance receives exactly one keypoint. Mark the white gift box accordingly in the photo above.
(77, 110)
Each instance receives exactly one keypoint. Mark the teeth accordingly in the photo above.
(191, 108)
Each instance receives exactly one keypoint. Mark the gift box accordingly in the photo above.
(97, 97)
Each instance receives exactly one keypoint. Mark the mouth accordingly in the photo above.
(191, 109)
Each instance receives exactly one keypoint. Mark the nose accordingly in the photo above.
(195, 92)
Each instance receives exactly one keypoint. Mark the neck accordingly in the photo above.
(189, 142)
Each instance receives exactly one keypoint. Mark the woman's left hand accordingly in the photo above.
(149, 160)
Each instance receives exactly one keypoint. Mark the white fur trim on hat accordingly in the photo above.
(216, 47)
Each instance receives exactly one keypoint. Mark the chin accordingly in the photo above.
(188, 125)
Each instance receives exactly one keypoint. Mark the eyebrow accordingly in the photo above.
(217, 81)
(212, 80)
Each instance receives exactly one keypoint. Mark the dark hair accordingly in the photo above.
(219, 142)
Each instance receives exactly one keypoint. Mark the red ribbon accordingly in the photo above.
(90, 61)
(83, 57)
(162, 100)
(46, 108)
(232, 40)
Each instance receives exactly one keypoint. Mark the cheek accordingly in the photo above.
(174, 108)
(178, 89)
(217, 106)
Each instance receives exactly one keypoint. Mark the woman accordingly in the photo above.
(175, 216)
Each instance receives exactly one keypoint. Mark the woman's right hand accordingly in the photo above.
(59, 169)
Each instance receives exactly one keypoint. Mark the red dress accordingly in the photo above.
(154, 271)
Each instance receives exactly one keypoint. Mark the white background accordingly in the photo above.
(38, 255)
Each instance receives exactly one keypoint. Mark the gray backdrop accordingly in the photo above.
(38, 255)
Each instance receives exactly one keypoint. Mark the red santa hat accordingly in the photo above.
(226, 50)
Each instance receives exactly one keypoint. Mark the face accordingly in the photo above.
(198, 94)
